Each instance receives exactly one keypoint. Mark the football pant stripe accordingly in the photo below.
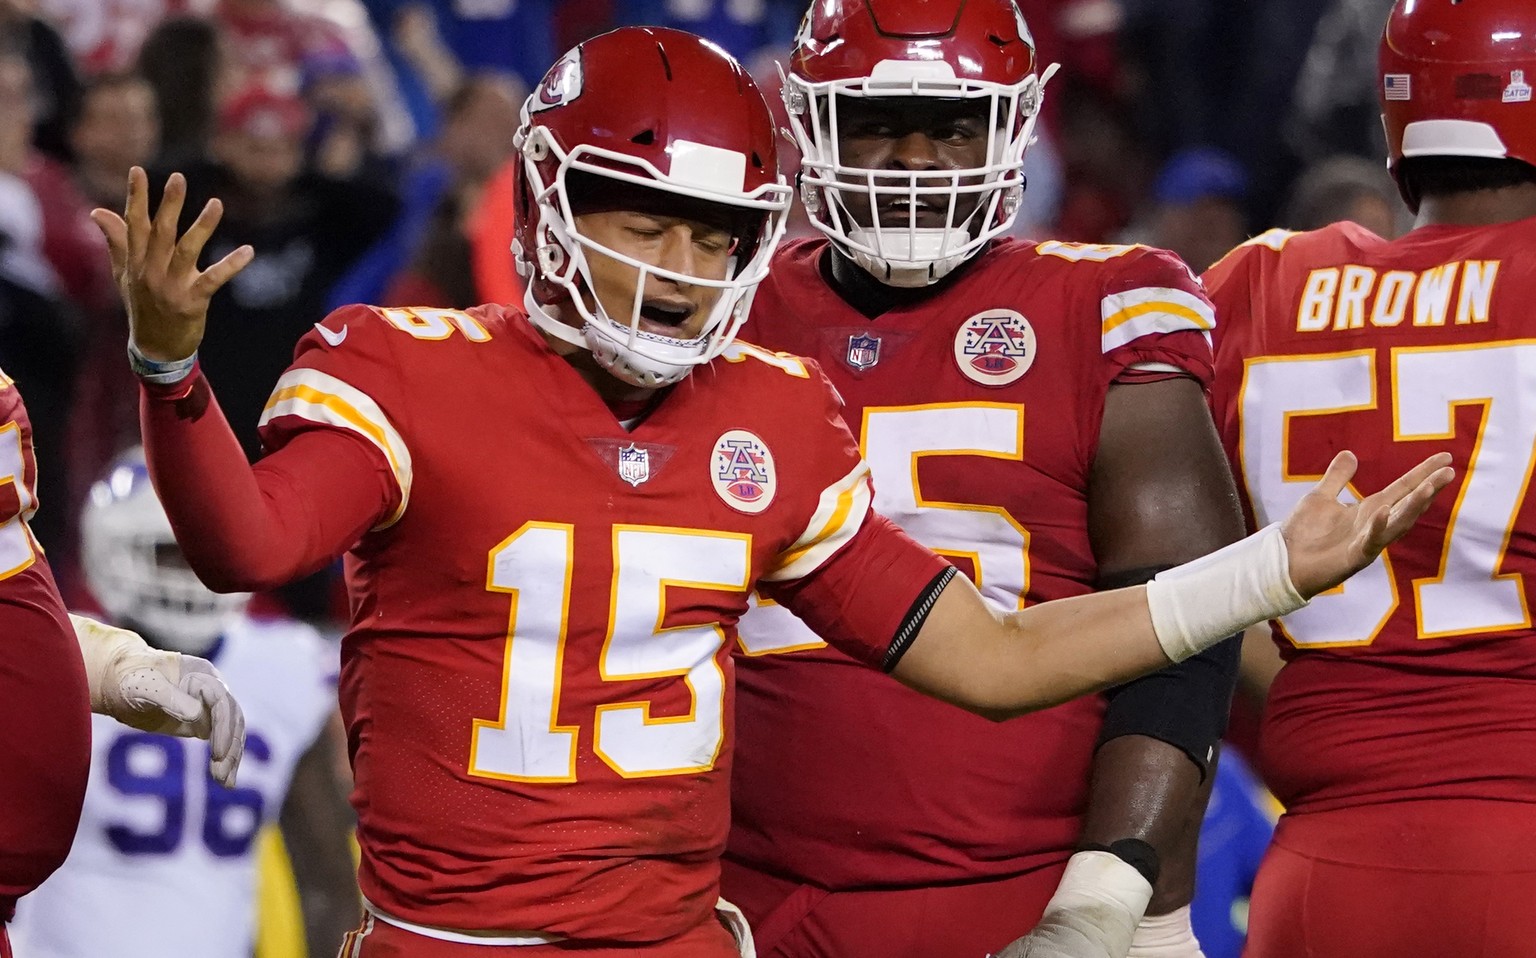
(352, 944)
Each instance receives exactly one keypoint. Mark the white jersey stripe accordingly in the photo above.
(1139, 312)
(839, 514)
(324, 399)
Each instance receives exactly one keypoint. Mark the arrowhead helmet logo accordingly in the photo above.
(561, 84)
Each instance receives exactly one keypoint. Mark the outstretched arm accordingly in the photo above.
(1001, 664)
(998, 664)
(242, 528)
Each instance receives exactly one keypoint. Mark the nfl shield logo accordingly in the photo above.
(863, 351)
(634, 464)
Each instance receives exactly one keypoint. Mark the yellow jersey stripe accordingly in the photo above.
(839, 515)
(1173, 309)
(319, 398)
(1140, 312)
(838, 518)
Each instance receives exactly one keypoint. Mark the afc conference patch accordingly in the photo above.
(995, 347)
(863, 351)
(742, 472)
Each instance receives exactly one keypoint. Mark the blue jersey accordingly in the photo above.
(743, 27)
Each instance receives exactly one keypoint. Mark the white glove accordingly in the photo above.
(164, 692)
(1093, 914)
(1166, 936)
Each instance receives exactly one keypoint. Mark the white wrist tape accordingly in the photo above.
(1196, 605)
(1166, 936)
(1099, 900)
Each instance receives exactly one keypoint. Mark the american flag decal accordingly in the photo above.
(1397, 86)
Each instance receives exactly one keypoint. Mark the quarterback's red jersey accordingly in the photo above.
(45, 707)
(538, 678)
(1417, 678)
(978, 410)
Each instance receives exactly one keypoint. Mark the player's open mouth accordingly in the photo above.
(665, 315)
(899, 212)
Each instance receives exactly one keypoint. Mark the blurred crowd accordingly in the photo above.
(355, 145)
(361, 148)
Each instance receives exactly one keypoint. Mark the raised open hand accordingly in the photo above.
(1329, 541)
(166, 294)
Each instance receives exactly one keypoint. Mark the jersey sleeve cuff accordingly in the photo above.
(912, 622)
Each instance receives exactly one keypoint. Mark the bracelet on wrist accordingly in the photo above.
(158, 372)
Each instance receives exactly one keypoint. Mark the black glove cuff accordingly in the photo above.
(1134, 852)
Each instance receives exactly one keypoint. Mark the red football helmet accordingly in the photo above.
(661, 109)
(1456, 79)
(979, 50)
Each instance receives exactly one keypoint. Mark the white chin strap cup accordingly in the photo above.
(650, 372)
(911, 257)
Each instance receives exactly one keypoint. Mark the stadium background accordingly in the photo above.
(1186, 124)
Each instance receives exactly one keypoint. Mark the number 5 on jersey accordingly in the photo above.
(894, 440)
(17, 503)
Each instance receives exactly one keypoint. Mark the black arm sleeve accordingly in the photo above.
(1185, 705)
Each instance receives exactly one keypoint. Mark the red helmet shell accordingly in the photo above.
(984, 40)
(943, 50)
(1457, 78)
(640, 92)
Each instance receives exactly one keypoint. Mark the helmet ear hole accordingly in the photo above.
(551, 258)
